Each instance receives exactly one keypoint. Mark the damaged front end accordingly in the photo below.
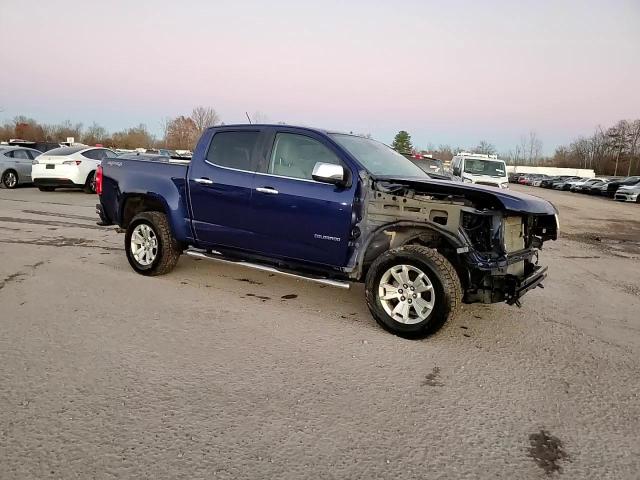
(492, 237)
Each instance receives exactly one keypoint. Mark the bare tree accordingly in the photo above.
(204, 118)
(486, 148)
(534, 148)
(136, 137)
(619, 135)
(182, 133)
(95, 134)
(634, 141)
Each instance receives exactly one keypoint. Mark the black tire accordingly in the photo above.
(10, 179)
(46, 189)
(168, 250)
(442, 275)
(90, 183)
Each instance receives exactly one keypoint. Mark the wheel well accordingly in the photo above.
(9, 170)
(394, 237)
(138, 204)
(89, 175)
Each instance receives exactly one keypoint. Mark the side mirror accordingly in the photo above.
(329, 173)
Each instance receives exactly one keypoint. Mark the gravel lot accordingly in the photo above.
(216, 371)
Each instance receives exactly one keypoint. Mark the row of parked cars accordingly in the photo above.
(624, 189)
(64, 167)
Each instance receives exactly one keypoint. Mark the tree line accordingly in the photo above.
(402, 143)
(179, 133)
(608, 151)
(611, 151)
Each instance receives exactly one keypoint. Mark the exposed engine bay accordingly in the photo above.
(491, 237)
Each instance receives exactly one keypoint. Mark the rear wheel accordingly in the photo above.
(150, 246)
(10, 179)
(90, 184)
(412, 291)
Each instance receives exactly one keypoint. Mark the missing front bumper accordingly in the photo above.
(523, 286)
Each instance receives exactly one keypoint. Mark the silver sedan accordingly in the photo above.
(15, 165)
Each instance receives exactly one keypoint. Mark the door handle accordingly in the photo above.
(269, 190)
(204, 181)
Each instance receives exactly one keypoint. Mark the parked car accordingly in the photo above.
(513, 177)
(69, 167)
(549, 181)
(567, 184)
(530, 178)
(480, 169)
(628, 193)
(613, 186)
(331, 208)
(546, 182)
(580, 186)
(537, 180)
(15, 165)
(432, 166)
(596, 187)
(576, 185)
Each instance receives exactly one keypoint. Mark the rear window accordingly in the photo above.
(64, 151)
(233, 149)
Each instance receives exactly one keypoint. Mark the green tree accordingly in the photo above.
(402, 142)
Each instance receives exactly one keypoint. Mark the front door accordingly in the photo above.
(296, 216)
(220, 186)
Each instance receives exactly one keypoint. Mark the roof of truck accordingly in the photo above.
(281, 125)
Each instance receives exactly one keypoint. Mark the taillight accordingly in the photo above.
(99, 180)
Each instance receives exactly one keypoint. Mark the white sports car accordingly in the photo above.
(69, 167)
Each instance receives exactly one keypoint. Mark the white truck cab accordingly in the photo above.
(479, 169)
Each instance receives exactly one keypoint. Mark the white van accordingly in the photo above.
(480, 169)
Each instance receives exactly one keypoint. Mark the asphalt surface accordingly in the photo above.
(216, 371)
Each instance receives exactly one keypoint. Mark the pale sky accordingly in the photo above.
(450, 72)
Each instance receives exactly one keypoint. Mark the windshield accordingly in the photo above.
(378, 158)
(484, 167)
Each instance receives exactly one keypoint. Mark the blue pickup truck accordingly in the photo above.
(332, 208)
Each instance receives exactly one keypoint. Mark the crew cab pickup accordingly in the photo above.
(331, 208)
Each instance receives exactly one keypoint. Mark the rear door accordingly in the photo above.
(220, 189)
(295, 216)
(24, 159)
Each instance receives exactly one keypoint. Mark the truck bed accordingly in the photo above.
(161, 178)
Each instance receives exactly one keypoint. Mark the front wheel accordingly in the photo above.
(10, 179)
(412, 291)
(150, 246)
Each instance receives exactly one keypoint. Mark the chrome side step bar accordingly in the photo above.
(218, 257)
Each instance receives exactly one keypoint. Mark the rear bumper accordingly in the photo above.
(59, 175)
(55, 182)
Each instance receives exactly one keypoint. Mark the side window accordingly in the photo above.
(9, 154)
(295, 156)
(33, 154)
(92, 154)
(233, 149)
(109, 154)
(21, 154)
